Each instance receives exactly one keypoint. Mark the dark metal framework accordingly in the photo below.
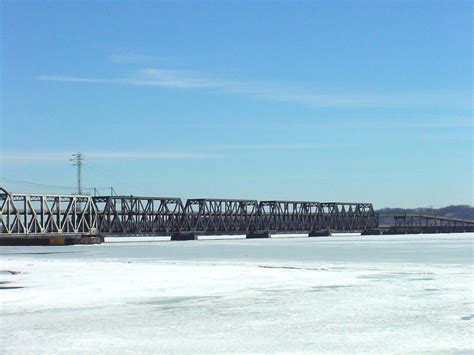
(132, 214)
(348, 216)
(219, 216)
(288, 216)
(419, 223)
(297, 216)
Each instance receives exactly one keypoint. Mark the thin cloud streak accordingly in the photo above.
(192, 80)
(135, 58)
(265, 147)
(74, 79)
(129, 58)
(146, 155)
(209, 152)
(331, 123)
(64, 156)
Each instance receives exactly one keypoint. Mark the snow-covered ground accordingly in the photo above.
(392, 294)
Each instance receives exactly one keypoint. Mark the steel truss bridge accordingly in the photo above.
(49, 215)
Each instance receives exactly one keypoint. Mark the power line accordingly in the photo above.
(110, 173)
(78, 160)
(15, 181)
(89, 164)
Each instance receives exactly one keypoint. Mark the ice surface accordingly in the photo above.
(380, 294)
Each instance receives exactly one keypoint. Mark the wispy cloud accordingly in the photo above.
(172, 79)
(130, 58)
(146, 155)
(136, 58)
(330, 123)
(423, 123)
(64, 156)
(205, 152)
(265, 147)
(75, 79)
(292, 93)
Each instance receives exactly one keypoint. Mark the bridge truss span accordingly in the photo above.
(288, 216)
(219, 216)
(33, 214)
(343, 216)
(135, 214)
(297, 216)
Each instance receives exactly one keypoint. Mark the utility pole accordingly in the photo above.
(77, 160)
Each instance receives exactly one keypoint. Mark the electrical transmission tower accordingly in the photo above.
(77, 160)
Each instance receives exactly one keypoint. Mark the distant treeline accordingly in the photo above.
(458, 211)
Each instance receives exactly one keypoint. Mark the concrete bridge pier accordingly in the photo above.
(184, 236)
(320, 233)
(255, 235)
(371, 232)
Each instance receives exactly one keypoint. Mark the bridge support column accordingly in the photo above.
(392, 231)
(184, 236)
(321, 233)
(371, 232)
(254, 235)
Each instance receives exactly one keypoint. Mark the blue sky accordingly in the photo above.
(367, 100)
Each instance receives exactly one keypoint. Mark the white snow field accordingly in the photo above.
(378, 294)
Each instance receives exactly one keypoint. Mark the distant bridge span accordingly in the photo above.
(422, 223)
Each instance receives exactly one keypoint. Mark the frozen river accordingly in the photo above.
(392, 294)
